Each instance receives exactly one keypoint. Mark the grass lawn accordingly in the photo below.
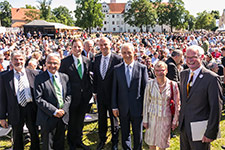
(91, 138)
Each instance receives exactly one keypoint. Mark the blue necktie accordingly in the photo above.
(128, 75)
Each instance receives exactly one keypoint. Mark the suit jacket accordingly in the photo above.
(91, 55)
(103, 86)
(129, 99)
(8, 98)
(79, 87)
(46, 98)
(203, 103)
(173, 73)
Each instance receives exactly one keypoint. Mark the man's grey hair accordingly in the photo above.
(17, 53)
(53, 55)
(196, 48)
(176, 53)
(128, 45)
(89, 41)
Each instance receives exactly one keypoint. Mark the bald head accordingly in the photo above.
(105, 45)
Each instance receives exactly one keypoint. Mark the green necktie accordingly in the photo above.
(79, 68)
(58, 92)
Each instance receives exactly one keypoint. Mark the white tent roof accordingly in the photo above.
(222, 28)
(63, 26)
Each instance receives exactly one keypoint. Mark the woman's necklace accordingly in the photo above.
(160, 86)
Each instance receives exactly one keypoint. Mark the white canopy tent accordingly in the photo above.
(63, 26)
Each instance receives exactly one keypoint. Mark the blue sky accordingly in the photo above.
(194, 6)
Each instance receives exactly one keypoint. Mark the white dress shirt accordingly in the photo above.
(131, 67)
(107, 57)
(57, 79)
(75, 62)
(25, 84)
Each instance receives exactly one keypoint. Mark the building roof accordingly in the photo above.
(39, 23)
(20, 13)
(18, 24)
(116, 8)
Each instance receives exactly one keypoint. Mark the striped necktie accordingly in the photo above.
(21, 90)
(189, 85)
(58, 92)
(104, 67)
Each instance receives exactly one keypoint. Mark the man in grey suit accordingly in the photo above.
(129, 81)
(52, 95)
(200, 101)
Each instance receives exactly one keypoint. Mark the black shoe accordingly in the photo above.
(115, 147)
(81, 145)
(100, 145)
(223, 147)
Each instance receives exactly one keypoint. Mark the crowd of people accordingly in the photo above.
(152, 80)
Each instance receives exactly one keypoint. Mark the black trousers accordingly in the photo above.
(186, 142)
(103, 126)
(137, 128)
(53, 134)
(28, 117)
(76, 124)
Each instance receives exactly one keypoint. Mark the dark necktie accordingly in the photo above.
(189, 85)
(22, 95)
(128, 75)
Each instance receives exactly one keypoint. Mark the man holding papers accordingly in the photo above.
(200, 103)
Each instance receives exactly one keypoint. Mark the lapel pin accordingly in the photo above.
(201, 76)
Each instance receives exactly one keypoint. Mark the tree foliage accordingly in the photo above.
(45, 9)
(30, 7)
(142, 12)
(205, 20)
(88, 14)
(162, 12)
(176, 13)
(63, 15)
(216, 14)
(5, 13)
(32, 15)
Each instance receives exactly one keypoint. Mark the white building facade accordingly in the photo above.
(114, 20)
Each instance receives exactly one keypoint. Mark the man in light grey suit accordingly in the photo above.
(200, 101)
(52, 95)
(129, 81)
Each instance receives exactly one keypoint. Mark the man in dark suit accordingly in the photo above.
(103, 76)
(173, 73)
(88, 47)
(17, 101)
(78, 68)
(129, 81)
(52, 95)
(200, 101)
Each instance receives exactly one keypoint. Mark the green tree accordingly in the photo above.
(32, 14)
(205, 20)
(63, 15)
(45, 9)
(29, 7)
(142, 12)
(191, 22)
(162, 12)
(216, 14)
(176, 13)
(5, 13)
(88, 14)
